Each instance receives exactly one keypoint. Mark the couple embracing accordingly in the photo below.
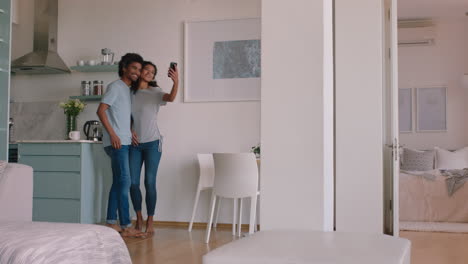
(128, 112)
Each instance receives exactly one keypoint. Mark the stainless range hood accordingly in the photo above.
(44, 58)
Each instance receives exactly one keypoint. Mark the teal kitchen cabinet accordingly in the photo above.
(5, 54)
(71, 180)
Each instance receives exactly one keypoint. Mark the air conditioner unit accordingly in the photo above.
(416, 32)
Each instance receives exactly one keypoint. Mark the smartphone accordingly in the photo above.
(172, 66)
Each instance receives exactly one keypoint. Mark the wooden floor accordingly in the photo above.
(172, 245)
(437, 248)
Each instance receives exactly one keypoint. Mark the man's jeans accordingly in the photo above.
(118, 195)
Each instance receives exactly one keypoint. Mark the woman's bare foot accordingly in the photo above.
(115, 227)
(138, 225)
(149, 227)
(139, 221)
(132, 232)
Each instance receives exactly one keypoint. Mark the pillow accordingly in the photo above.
(417, 160)
(451, 160)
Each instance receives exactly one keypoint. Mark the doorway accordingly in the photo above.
(431, 61)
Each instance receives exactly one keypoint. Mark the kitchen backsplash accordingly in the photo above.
(45, 120)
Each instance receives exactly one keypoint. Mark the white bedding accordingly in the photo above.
(57, 243)
(425, 198)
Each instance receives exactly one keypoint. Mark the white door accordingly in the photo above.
(391, 131)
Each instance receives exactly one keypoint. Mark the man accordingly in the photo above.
(114, 111)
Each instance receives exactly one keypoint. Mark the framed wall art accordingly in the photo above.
(431, 109)
(222, 60)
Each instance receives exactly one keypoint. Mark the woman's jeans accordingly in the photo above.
(118, 195)
(149, 154)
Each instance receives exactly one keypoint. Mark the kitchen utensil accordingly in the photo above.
(93, 130)
(11, 137)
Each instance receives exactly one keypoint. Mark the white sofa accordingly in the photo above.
(23, 241)
(16, 193)
(60, 243)
(310, 247)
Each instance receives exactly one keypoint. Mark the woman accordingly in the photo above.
(147, 141)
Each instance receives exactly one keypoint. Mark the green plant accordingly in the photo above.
(72, 107)
(256, 150)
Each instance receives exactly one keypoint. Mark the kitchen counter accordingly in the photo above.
(58, 141)
(72, 179)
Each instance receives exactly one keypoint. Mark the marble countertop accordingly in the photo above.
(56, 141)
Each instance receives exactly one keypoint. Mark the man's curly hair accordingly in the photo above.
(128, 59)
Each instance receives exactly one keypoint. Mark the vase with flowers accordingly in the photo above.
(72, 108)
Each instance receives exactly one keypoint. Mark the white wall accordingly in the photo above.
(155, 30)
(442, 64)
(296, 181)
(359, 115)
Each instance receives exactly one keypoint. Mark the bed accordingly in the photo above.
(42, 242)
(424, 197)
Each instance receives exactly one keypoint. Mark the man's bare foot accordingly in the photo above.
(149, 227)
(115, 227)
(132, 232)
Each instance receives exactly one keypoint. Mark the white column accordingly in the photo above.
(296, 113)
(359, 115)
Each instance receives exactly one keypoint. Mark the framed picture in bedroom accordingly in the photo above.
(431, 109)
(405, 110)
(222, 60)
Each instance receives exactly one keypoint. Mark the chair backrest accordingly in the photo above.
(236, 175)
(205, 161)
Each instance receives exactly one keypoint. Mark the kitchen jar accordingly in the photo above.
(85, 88)
(98, 87)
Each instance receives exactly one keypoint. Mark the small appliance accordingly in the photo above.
(93, 130)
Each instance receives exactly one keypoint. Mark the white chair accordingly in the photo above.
(236, 177)
(205, 182)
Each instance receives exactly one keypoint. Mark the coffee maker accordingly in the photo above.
(93, 130)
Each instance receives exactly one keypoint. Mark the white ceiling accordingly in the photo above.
(432, 8)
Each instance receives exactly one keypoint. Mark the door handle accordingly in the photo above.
(395, 148)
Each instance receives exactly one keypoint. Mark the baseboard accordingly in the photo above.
(198, 225)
